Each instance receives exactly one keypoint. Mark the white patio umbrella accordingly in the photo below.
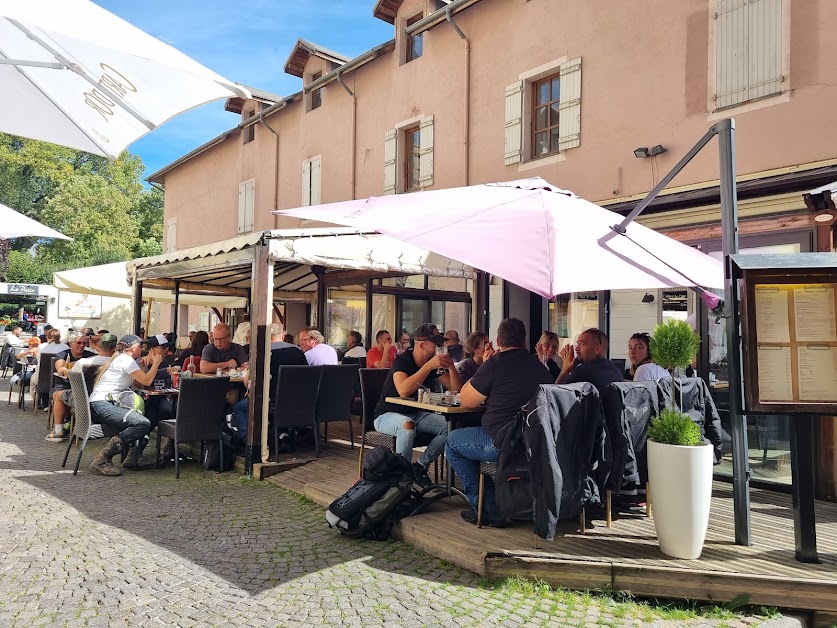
(76, 75)
(15, 225)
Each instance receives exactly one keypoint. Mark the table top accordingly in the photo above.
(164, 391)
(433, 407)
(233, 380)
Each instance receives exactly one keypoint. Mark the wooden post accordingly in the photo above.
(148, 316)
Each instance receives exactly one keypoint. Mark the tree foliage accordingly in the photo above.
(101, 204)
(674, 344)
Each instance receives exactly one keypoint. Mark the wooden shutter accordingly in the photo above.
(246, 205)
(306, 183)
(514, 123)
(569, 111)
(171, 235)
(731, 26)
(426, 152)
(315, 181)
(389, 161)
(765, 48)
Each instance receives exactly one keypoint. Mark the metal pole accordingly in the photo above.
(802, 472)
(176, 308)
(738, 422)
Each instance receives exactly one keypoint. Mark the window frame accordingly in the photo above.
(533, 130)
(248, 133)
(316, 95)
(412, 156)
(414, 42)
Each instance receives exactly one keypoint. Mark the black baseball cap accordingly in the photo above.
(429, 332)
(158, 340)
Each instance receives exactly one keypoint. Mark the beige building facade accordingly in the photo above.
(599, 97)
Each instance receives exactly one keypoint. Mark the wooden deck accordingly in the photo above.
(622, 558)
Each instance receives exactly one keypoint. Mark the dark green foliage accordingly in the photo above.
(674, 344)
(674, 428)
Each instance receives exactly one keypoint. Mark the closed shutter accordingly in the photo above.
(514, 123)
(569, 111)
(171, 235)
(246, 205)
(315, 181)
(389, 161)
(748, 50)
(426, 152)
(306, 183)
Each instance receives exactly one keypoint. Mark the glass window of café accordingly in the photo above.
(571, 314)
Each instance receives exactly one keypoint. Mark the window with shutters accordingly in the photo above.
(412, 163)
(408, 155)
(316, 96)
(171, 235)
(311, 181)
(749, 39)
(415, 43)
(543, 112)
(246, 205)
(248, 134)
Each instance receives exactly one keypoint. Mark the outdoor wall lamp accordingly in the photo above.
(644, 151)
(648, 298)
(659, 149)
(825, 218)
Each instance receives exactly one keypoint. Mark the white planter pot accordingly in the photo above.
(681, 492)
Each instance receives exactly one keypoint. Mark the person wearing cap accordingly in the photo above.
(382, 355)
(157, 407)
(62, 399)
(221, 352)
(413, 369)
(120, 374)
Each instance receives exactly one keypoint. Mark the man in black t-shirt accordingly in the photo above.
(588, 362)
(411, 370)
(506, 381)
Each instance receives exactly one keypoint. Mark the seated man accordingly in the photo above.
(221, 353)
(157, 407)
(506, 381)
(317, 352)
(64, 362)
(455, 350)
(354, 346)
(382, 355)
(412, 369)
(588, 363)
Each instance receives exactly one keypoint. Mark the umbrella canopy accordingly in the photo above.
(76, 75)
(15, 225)
(531, 233)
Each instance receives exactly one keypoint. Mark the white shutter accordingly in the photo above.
(315, 181)
(389, 161)
(171, 235)
(426, 152)
(514, 123)
(569, 111)
(765, 48)
(246, 205)
(306, 183)
(731, 35)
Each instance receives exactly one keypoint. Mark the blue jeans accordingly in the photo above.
(239, 409)
(465, 448)
(398, 425)
(132, 425)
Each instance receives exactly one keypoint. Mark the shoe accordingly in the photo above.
(166, 453)
(420, 476)
(52, 437)
(102, 463)
(495, 522)
(143, 463)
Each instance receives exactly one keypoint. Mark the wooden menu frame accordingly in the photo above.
(806, 349)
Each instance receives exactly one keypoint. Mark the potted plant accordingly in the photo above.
(679, 462)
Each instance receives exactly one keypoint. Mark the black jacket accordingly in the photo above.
(693, 398)
(628, 408)
(563, 438)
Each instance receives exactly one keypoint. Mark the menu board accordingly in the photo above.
(796, 342)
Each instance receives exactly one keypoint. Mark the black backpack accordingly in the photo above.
(380, 498)
(212, 454)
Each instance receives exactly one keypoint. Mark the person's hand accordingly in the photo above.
(567, 354)
(435, 362)
(488, 351)
(445, 361)
(539, 350)
(156, 359)
(386, 347)
(231, 364)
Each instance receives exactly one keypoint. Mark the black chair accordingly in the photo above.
(371, 387)
(84, 419)
(295, 401)
(201, 415)
(46, 369)
(8, 358)
(335, 396)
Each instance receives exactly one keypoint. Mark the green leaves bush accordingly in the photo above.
(674, 428)
(673, 344)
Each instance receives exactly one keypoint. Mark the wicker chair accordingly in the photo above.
(371, 387)
(335, 395)
(201, 415)
(295, 401)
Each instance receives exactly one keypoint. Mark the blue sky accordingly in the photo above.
(247, 42)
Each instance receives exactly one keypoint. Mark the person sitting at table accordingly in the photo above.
(588, 361)
(50, 345)
(505, 382)
(410, 371)
(643, 368)
(222, 353)
(317, 352)
(354, 346)
(29, 354)
(475, 348)
(157, 407)
(199, 340)
(404, 342)
(455, 350)
(382, 355)
(116, 376)
(547, 350)
(63, 363)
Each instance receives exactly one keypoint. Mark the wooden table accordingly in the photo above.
(434, 407)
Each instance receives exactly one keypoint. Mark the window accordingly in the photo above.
(546, 102)
(415, 43)
(412, 165)
(748, 50)
(246, 205)
(171, 235)
(311, 181)
(248, 134)
(317, 94)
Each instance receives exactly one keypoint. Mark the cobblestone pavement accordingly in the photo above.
(215, 550)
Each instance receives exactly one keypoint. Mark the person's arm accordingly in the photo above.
(567, 355)
(406, 386)
(451, 379)
(384, 362)
(470, 397)
(22, 355)
(146, 378)
(210, 367)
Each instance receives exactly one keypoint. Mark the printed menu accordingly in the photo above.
(815, 314)
(775, 374)
(772, 322)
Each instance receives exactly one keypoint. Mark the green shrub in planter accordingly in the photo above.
(673, 344)
(674, 428)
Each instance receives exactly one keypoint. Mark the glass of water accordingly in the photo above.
(443, 350)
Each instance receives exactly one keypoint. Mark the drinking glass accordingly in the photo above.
(443, 350)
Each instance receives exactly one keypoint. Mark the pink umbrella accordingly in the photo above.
(531, 233)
